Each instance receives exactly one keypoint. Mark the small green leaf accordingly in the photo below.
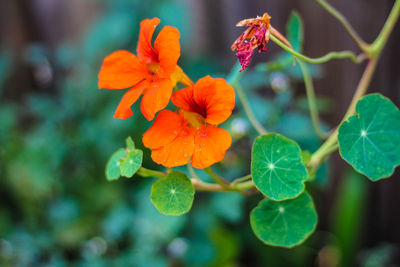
(113, 165)
(295, 32)
(124, 162)
(131, 164)
(277, 168)
(370, 140)
(285, 223)
(130, 145)
(173, 195)
(133, 160)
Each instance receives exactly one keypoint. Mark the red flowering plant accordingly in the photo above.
(189, 133)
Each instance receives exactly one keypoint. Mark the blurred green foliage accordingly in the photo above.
(57, 207)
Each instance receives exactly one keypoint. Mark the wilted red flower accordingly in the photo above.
(175, 138)
(153, 72)
(255, 36)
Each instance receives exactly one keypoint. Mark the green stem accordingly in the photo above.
(318, 156)
(383, 36)
(223, 185)
(311, 100)
(319, 60)
(330, 150)
(150, 173)
(233, 79)
(321, 153)
(239, 185)
(241, 179)
(246, 107)
(192, 171)
(234, 75)
(350, 30)
(202, 186)
(244, 185)
(361, 88)
(219, 180)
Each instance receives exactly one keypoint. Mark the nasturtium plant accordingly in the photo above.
(370, 140)
(189, 134)
(124, 162)
(277, 168)
(174, 194)
(284, 223)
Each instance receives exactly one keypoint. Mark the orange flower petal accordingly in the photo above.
(176, 153)
(168, 49)
(120, 70)
(210, 146)
(156, 97)
(124, 108)
(184, 99)
(164, 130)
(216, 96)
(144, 49)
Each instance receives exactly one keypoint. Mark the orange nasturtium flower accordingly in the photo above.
(153, 72)
(255, 36)
(175, 138)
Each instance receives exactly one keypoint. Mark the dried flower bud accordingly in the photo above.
(255, 36)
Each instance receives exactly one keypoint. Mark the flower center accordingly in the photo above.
(153, 68)
(194, 119)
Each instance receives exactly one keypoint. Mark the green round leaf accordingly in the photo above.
(113, 165)
(173, 195)
(370, 140)
(277, 168)
(284, 223)
(131, 164)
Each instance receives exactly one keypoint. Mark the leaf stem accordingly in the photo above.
(241, 179)
(150, 173)
(192, 171)
(319, 60)
(233, 79)
(246, 107)
(342, 19)
(383, 36)
(244, 185)
(218, 179)
(361, 88)
(225, 185)
(326, 148)
(239, 185)
(311, 100)
(202, 186)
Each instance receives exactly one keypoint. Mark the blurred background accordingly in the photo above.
(57, 133)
